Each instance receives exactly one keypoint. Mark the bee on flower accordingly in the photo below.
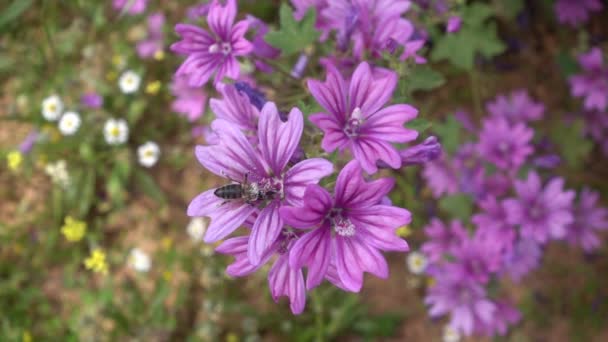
(69, 123)
(416, 262)
(148, 154)
(139, 260)
(96, 262)
(129, 82)
(116, 131)
(52, 107)
(73, 230)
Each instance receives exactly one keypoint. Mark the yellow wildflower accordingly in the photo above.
(73, 230)
(152, 88)
(232, 337)
(159, 55)
(14, 160)
(97, 262)
(27, 337)
(167, 275)
(166, 243)
(404, 231)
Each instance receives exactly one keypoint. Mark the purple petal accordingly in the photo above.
(284, 281)
(264, 232)
(312, 250)
(226, 219)
(308, 171)
(278, 139)
(221, 18)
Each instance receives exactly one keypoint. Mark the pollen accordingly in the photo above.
(343, 227)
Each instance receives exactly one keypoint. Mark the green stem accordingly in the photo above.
(317, 303)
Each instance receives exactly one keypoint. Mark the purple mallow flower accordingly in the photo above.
(266, 182)
(492, 223)
(440, 177)
(154, 41)
(256, 97)
(521, 259)
(576, 12)
(131, 7)
(517, 107)
(354, 118)
(541, 213)
(453, 24)
(592, 83)
(91, 100)
(28, 143)
(282, 279)
(214, 52)
(476, 258)
(236, 109)
(504, 316)
(505, 145)
(589, 219)
(350, 228)
(428, 150)
(302, 6)
(190, 101)
(442, 240)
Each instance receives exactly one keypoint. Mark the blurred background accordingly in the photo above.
(95, 244)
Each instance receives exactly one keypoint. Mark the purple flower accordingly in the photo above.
(282, 279)
(269, 182)
(492, 223)
(28, 143)
(428, 150)
(504, 315)
(588, 220)
(91, 100)
(189, 101)
(442, 240)
(518, 107)
(154, 41)
(369, 24)
(576, 12)
(521, 259)
(596, 125)
(354, 118)
(506, 146)
(214, 52)
(350, 229)
(236, 109)
(453, 25)
(463, 298)
(592, 84)
(198, 11)
(440, 177)
(255, 96)
(260, 47)
(476, 258)
(541, 213)
(302, 6)
(131, 7)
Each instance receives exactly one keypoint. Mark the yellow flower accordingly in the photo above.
(97, 262)
(73, 230)
(232, 337)
(14, 159)
(27, 337)
(111, 76)
(166, 243)
(118, 61)
(152, 88)
(159, 55)
(167, 275)
(404, 231)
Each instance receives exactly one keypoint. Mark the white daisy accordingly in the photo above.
(450, 334)
(116, 131)
(196, 228)
(416, 262)
(139, 260)
(129, 82)
(69, 123)
(148, 154)
(52, 107)
(58, 173)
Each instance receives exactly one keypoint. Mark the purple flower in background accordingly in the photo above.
(518, 107)
(476, 258)
(461, 297)
(592, 84)
(492, 223)
(504, 316)
(189, 101)
(369, 24)
(236, 109)
(154, 41)
(354, 118)
(28, 143)
(269, 182)
(214, 52)
(351, 229)
(302, 6)
(428, 150)
(91, 100)
(282, 279)
(198, 11)
(442, 240)
(589, 219)
(440, 177)
(411, 48)
(260, 47)
(541, 213)
(521, 259)
(256, 97)
(506, 146)
(131, 7)
(596, 125)
(453, 24)
(576, 12)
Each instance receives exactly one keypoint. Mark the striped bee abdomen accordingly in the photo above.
(230, 191)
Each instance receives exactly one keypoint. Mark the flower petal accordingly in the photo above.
(285, 281)
(226, 219)
(331, 95)
(221, 18)
(264, 233)
(312, 250)
(308, 171)
(278, 140)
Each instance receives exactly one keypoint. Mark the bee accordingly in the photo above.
(249, 192)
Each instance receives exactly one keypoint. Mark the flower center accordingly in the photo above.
(504, 147)
(353, 125)
(271, 187)
(342, 226)
(535, 212)
(224, 48)
(115, 132)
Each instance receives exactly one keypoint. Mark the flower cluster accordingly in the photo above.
(275, 187)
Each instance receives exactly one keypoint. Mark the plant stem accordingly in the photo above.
(317, 303)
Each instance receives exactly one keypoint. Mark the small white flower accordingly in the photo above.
(416, 262)
(139, 260)
(52, 107)
(58, 173)
(148, 154)
(450, 334)
(69, 123)
(196, 228)
(129, 82)
(116, 131)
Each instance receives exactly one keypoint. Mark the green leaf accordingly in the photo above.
(459, 206)
(293, 36)
(423, 77)
(419, 124)
(509, 9)
(567, 64)
(13, 11)
(148, 185)
(449, 133)
(475, 14)
(87, 189)
(573, 145)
